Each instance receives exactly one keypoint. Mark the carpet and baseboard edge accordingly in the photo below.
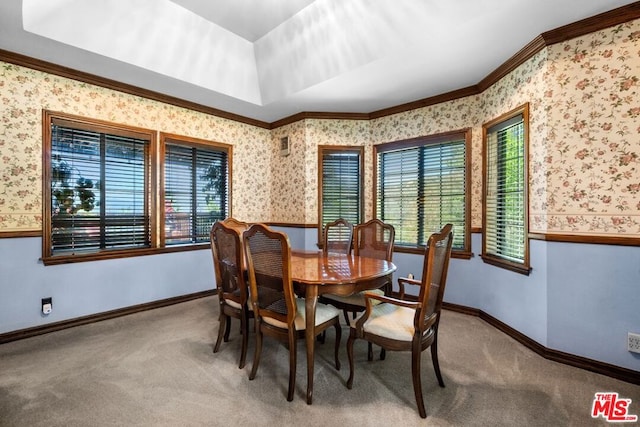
(591, 365)
(92, 318)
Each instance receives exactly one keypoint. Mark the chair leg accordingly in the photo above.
(352, 338)
(338, 338)
(346, 316)
(227, 329)
(369, 351)
(292, 365)
(244, 330)
(417, 382)
(383, 353)
(434, 358)
(221, 329)
(258, 350)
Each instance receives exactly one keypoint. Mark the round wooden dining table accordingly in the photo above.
(314, 274)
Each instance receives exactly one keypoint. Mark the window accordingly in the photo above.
(108, 193)
(422, 185)
(196, 188)
(505, 222)
(340, 185)
(96, 188)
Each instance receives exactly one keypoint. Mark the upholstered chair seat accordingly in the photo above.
(373, 239)
(278, 312)
(389, 321)
(324, 313)
(400, 324)
(234, 304)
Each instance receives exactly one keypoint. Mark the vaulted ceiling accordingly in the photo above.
(269, 59)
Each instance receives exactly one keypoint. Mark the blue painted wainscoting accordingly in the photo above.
(580, 299)
(86, 288)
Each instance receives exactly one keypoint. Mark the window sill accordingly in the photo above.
(104, 255)
(420, 251)
(508, 265)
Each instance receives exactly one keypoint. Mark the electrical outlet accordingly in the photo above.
(633, 342)
(47, 305)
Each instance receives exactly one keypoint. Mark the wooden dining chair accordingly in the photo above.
(233, 296)
(403, 325)
(373, 239)
(239, 226)
(279, 314)
(338, 237)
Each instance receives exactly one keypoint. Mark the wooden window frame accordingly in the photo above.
(456, 135)
(84, 123)
(180, 140)
(322, 149)
(523, 267)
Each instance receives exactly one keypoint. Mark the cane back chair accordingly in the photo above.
(373, 239)
(338, 237)
(279, 314)
(233, 297)
(402, 325)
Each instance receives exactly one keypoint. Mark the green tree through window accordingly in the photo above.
(422, 184)
(97, 180)
(505, 201)
(195, 191)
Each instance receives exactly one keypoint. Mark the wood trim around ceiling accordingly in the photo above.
(58, 70)
(318, 115)
(425, 102)
(585, 26)
(567, 32)
(592, 24)
(527, 52)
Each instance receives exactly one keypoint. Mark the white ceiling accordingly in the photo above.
(249, 19)
(269, 59)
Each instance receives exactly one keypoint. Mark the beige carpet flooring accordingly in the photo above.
(157, 368)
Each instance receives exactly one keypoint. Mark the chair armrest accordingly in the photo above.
(390, 300)
(403, 280)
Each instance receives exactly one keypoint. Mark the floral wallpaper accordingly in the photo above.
(336, 132)
(584, 123)
(593, 140)
(24, 93)
(584, 142)
(288, 176)
(453, 115)
(294, 184)
(526, 84)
